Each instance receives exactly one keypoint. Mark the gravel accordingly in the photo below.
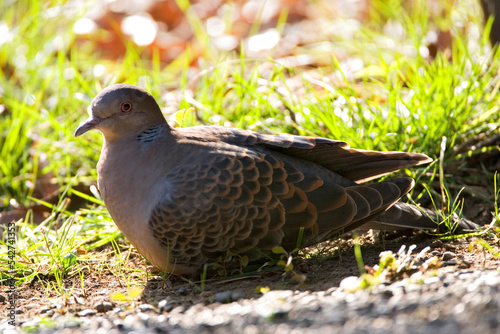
(464, 301)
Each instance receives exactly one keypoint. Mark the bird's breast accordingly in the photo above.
(130, 190)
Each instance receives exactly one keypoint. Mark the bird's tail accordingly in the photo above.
(403, 215)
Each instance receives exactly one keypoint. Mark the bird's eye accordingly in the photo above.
(127, 107)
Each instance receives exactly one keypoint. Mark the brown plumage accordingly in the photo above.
(184, 197)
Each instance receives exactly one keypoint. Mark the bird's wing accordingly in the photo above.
(336, 156)
(224, 197)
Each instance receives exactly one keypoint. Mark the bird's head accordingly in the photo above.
(122, 110)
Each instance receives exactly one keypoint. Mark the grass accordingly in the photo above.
(396, 100)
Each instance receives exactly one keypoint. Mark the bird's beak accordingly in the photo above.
(89, 124)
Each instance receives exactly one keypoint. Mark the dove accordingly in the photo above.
(185, 197)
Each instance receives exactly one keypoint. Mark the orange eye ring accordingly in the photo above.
(126, 107)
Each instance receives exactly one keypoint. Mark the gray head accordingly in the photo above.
(122, 110)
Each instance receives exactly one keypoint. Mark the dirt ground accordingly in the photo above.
(321, 273)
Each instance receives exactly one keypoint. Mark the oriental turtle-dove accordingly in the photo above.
(184, 197)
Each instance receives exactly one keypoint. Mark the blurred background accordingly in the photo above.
(206, 30)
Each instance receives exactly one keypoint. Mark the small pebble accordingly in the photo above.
(119, 324)
(2, 298)
(448, 256)
(387, 293)
(87, 312)
(79, 300)
(178, 309)
(237, 295)
(44, 310)
(103, 306)
(451, 262)
(165, 306)
(130, 321)
(280, 316)
(143, 317)
(72, 324)
(146, 307)
(432, 279)
(224, 297)
(183, 291)
(437, 243)
(350, 283)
